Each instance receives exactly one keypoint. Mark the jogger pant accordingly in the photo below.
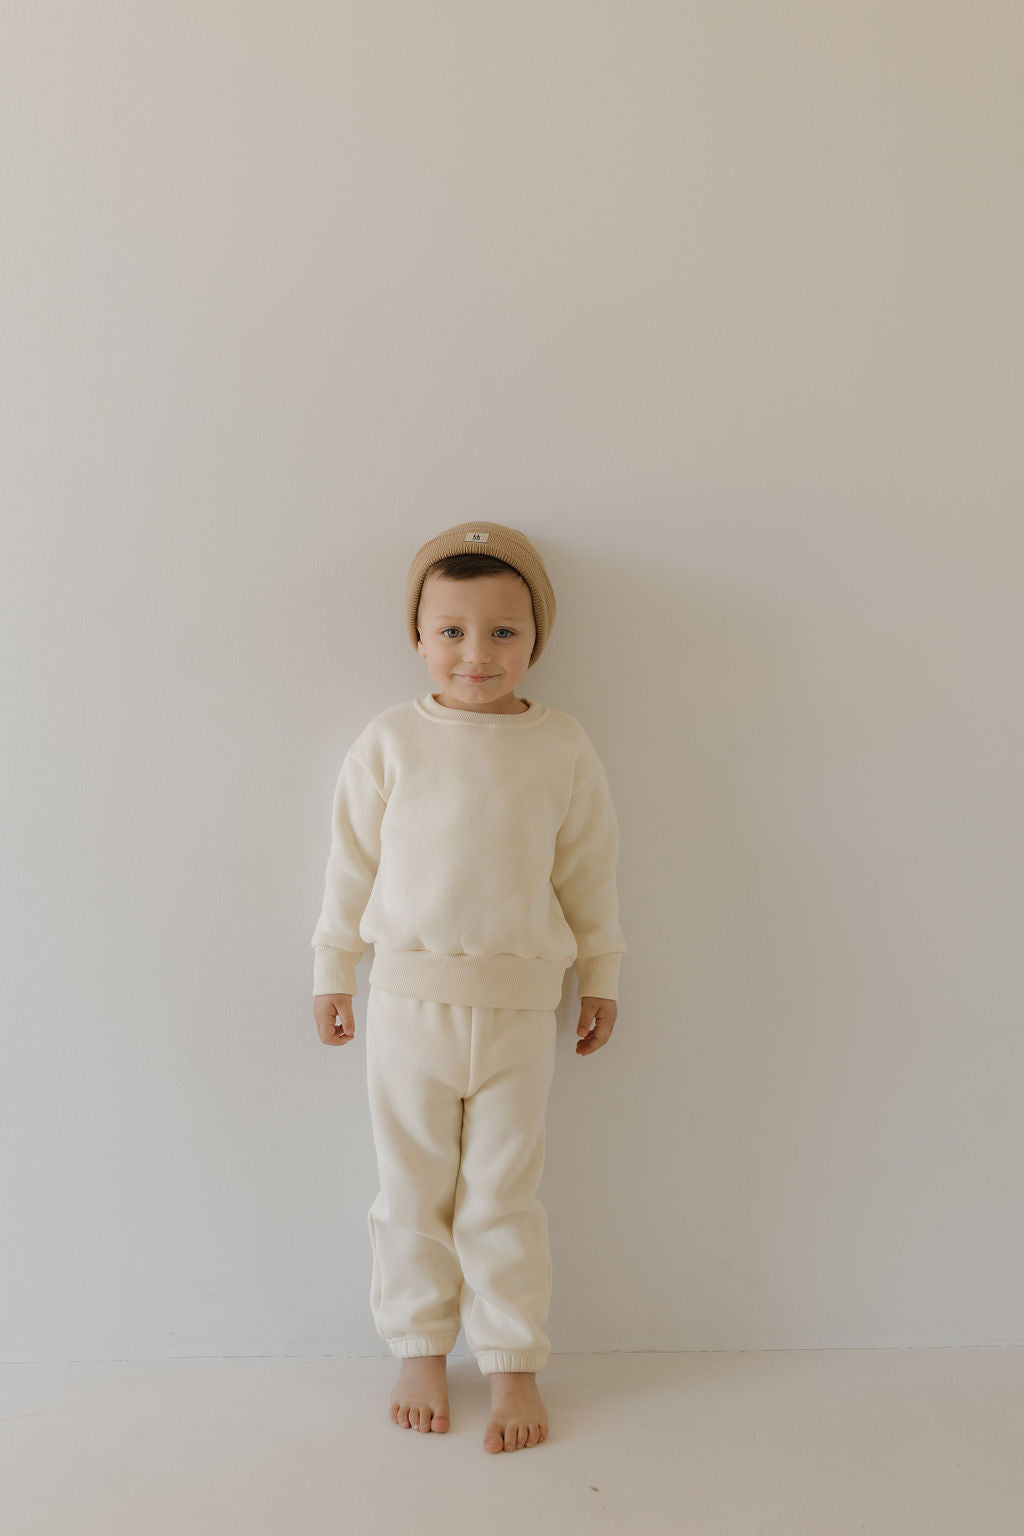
(457, 1099)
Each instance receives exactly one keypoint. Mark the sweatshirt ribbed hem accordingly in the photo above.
(480, 981)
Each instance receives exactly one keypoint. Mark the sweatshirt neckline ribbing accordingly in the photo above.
(429, 707)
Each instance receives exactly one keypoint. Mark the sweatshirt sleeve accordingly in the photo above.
(583, 877)
(351, 870)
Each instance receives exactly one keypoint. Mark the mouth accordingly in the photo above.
(468, 678)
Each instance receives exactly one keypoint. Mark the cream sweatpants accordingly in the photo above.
(458, 1096)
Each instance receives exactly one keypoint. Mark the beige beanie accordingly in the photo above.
(506, 544)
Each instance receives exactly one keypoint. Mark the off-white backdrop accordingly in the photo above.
(721, 305)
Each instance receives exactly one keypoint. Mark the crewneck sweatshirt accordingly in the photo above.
(476, 852)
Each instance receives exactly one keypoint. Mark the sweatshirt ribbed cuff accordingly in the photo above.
(598, 976)
(334, 970)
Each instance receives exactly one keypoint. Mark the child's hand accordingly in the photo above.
(333, 1014)
(597, 1020)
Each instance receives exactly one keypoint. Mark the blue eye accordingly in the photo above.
(501, 629)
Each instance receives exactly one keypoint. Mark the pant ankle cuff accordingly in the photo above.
(415, 1345)
(491, 1360)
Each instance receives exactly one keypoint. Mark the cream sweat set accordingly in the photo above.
(476, 851)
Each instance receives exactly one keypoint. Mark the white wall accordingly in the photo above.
(721, 305)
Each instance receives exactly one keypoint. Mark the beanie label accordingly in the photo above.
(475, 538)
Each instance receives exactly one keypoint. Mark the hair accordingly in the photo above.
(464, 567)
(461, 567)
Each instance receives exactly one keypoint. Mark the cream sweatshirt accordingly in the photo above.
(476, 852)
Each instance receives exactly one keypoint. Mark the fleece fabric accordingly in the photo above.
(458, 1097)
(476, 852)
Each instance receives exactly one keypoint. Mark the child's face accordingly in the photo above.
(483, 627)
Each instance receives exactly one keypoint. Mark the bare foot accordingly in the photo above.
(420, 1398)
(518, 1416)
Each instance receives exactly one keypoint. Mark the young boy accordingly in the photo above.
(474, 844)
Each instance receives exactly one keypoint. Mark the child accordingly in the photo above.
(474, 844)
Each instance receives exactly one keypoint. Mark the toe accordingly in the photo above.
(494, 1439)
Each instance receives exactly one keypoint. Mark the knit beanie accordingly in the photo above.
(506, 544)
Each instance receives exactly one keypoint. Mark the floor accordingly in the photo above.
(889, 1442)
